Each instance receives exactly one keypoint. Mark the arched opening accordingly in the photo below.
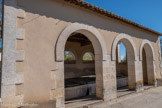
(144, 68)
(125, 66)
(148, 66)
(84, 34)
(79, 77)
(121, 66)
(80, 74)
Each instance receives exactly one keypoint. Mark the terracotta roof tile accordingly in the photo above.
(109, 14)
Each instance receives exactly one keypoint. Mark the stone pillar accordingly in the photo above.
(109, 79)
(131, 67)
(99, 78)
(57, 92)
(151, 71)
(139, 75)
(10, 55)
(160, 53)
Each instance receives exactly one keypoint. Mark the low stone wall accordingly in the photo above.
(159, 82)
(80, 91)
(89, 89)
(121, 82)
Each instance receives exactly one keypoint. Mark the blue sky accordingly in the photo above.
(122, 51)
(145, 12)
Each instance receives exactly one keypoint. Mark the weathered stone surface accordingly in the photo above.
(7, 91)
(80, 91)
(90, 33)
(13, 102)
(10, 55)
(20, 33)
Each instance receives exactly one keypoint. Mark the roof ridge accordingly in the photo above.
(107, 13)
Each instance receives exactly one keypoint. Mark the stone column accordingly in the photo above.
(109, 79)
(57, 92)
(139, 75)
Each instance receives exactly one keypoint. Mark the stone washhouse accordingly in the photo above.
(56, 51)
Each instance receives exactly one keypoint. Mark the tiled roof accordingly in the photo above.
(109, 14)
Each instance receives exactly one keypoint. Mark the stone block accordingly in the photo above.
(15, 101)
(10, 19)
(9, 44)
(12, 78)
(7, 91)
(20, 55)
(20, 33)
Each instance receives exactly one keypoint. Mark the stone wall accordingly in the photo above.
(122, 82)
(80, 91)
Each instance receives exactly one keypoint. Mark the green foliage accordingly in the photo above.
(87, 57)
(69, 56)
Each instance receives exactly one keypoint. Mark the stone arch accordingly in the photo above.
(131, 57)
(100, 52)
(144, 42)
(119, 38)
(90, 32)
(150, 61)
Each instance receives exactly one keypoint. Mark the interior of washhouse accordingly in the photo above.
(79, 67)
